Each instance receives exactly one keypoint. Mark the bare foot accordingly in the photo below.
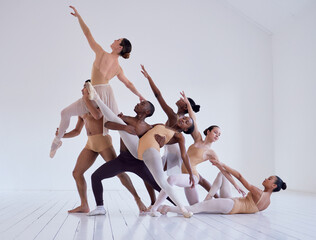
(141, 206)
(163, 209)
(80, 209)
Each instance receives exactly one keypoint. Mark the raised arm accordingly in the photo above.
(184, 155)
(93, 44)
(168, 110)
(76, 131)
(129, 84)
(196, 135)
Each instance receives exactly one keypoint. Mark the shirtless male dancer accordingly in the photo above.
(97, 145)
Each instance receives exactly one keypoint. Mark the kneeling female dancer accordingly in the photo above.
(104, 68)
(255, 201)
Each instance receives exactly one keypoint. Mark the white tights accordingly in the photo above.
(130, 141)
(219, 205)
(79, 108)
(180, 180)
(152, 159)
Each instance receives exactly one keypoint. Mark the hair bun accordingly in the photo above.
(283, 186)
(196, 108)
(126, 55)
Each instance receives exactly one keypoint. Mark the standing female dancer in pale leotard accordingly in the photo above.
(255, 201)
(104, 68)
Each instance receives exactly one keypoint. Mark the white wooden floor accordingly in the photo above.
(43, 215)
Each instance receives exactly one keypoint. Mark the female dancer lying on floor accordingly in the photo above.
(149, 148)
(255, 201)
(104, 68)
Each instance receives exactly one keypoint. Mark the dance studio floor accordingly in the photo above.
(43, 215)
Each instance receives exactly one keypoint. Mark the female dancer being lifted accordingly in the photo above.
(104, 68)
(255, 201)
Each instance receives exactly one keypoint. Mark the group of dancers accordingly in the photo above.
(141, 143)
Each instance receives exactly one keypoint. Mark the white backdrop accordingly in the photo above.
(219, 58)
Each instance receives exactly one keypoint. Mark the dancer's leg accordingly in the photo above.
(152, 160)
(78, 108)
(180, 180)
(84, 162)
(219, 205)
(130, 141)
(222, 184)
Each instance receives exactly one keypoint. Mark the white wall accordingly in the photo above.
(294, 67)
(216, 56)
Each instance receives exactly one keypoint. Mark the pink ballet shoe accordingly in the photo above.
(55, 145)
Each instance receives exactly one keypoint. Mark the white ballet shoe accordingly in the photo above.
(97, 211)
(154, 213)
(92, 92)
(187, 214)
(55, 145)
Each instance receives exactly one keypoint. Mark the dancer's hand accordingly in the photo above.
(56, 133)
(76, 14)
(120, 115)
(85, 93)
(240, 191)
(144, 72)
(130, 129)
(191, 180)
(160, 140)
(141, 98)
(208, 197)
(184, 98)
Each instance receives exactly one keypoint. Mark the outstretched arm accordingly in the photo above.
(129, 84)
(195, 134)
(224, 168)
(93, 44)
(168, 110)
(117, 126)
(76, 131)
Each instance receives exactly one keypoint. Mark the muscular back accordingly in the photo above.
(104, 68)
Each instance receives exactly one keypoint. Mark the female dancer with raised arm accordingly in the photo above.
(172, 160)
(104, 68)
(255, 201)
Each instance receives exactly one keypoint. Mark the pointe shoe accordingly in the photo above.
(97, 211)
(55, 145)
(154, 213)
(187, 214)
(92, 93)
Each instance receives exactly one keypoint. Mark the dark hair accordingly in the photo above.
(151, 109)
(190, 129)
(127, 48)
(210, 129)
(280, 184)
(196, 108)
(89, 80)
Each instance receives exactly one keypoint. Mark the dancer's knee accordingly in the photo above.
(171, 180)
(77, 175)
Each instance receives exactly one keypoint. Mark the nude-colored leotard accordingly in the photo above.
(148, 139)
(196, 157)
(244, 205)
